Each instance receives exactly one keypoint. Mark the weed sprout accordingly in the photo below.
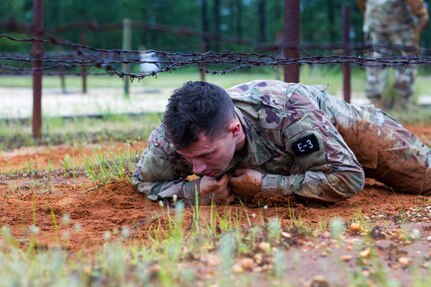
(337, 227)
(274, 229)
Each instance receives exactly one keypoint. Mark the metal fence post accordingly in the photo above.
(346, 48)
(83, 40)
(127, 45)
(205, 39)
(291, 39)
(37, 53)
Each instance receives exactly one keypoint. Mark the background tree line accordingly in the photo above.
(258, 21)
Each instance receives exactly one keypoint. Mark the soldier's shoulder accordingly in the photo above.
(159, 142)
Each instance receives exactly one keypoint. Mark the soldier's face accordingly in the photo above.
(211, 157)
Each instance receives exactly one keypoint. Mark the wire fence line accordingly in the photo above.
(110, 61)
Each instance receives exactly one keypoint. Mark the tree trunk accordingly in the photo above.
(216, 14)
(261, 11)
(238, 18)
(331, 21)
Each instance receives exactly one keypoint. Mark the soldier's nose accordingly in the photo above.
(199, 167)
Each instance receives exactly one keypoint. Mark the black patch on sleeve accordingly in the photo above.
(306, 145)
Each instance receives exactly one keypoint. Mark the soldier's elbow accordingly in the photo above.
(351, 185)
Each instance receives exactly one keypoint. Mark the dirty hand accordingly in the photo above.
(211, 190)
(246, 183)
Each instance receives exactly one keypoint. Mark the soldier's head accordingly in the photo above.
(200, 121)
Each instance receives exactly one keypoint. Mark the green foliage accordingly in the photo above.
(232, 18)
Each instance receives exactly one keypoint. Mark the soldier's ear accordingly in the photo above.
(235, 128)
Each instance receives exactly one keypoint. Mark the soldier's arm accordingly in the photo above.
(155, 175)
(361, 5)
(420, 10)
(418, 7)
(324, 167)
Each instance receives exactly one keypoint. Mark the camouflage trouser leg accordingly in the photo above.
(404, 162)
(377, 78)
(404, 76)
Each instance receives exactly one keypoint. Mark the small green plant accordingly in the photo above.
(226, 251)
(103, 167)
(66, 164)
(274, 230)
(337, 227)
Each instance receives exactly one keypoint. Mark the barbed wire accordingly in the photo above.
(110, 60)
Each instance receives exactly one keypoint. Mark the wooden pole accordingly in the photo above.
(83, 40)
(127, 45)
(291, 39)
(205, 40)
(346, 47)
(62, 80)
(37, 53)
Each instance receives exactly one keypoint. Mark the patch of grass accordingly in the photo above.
(103, 167)
(14, 134)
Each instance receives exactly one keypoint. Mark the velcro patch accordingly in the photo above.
(306, 145)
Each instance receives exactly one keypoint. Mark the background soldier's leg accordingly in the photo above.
(376, 77)
(404, 76)
(404, 161)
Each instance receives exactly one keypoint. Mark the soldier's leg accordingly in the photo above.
(376, 77)
(404, 76)
(403, 86)
(375, 85)
(404, 162)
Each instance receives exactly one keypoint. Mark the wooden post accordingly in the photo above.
(37, 53)
(127, 45)
(62, 80)
(346, 47)
(291, 39)
(205, 40)
(83, 40)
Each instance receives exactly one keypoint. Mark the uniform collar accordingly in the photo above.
(256, 147)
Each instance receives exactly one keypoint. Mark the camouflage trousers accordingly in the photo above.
(404, 76)
(386, 150)
(403, 161)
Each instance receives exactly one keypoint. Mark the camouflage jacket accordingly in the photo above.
(391, 15)
(292, 138)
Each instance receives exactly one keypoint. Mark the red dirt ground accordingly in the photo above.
(95, 212)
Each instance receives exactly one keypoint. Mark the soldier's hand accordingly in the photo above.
(213, 190)
(245, 183)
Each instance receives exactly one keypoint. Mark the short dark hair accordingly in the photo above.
(195, 108)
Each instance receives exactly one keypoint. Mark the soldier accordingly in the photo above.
(393, 28)
(276, 137)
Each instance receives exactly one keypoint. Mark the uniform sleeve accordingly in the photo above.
(324, 167)
(156, 175)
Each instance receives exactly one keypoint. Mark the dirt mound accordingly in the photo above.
(88, 218)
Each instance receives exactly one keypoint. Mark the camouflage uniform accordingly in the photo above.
(389, 23)
(306, 142)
